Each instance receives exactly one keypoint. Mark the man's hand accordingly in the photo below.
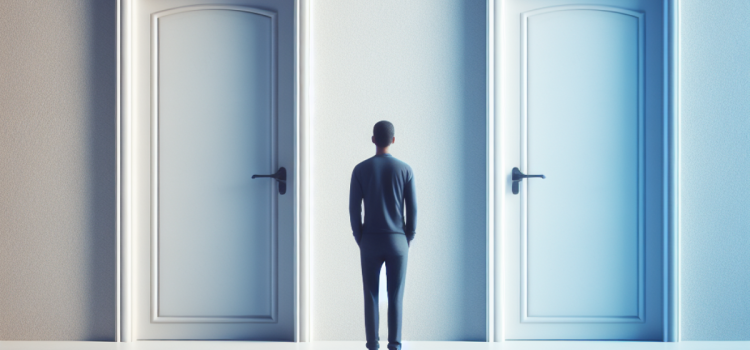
(410, 237)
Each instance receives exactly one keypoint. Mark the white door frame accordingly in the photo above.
(124, 249)
(497, 179)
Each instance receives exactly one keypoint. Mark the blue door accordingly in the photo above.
(583, 104)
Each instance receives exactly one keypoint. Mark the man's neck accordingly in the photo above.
(381, 151)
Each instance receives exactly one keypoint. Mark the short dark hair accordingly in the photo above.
(383, 132)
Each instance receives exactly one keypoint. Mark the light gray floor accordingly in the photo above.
(518, 345)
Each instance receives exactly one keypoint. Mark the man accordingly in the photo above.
(386, 185)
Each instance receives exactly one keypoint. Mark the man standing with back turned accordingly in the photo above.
(386, 185)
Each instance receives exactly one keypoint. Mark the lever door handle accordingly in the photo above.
(279, 176)
(518, 176)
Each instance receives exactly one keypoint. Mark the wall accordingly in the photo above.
(421, 65)
(715, 156)
(57, 169)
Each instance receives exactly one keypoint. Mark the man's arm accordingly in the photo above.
(410, 200)
(355, 207)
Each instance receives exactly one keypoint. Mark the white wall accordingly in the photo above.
(715, 172)
(57, 169)
(421, 65)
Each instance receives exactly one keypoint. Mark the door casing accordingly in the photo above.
(124, 250)
(497, 183)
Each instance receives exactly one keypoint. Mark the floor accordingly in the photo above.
(347, 345)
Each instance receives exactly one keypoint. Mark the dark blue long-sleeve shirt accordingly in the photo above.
(386, 185)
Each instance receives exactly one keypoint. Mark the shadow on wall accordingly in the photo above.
(102, 138)
(474, 170)
(57, 169)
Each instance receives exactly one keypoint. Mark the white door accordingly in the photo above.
(213, 89)
(582, 103)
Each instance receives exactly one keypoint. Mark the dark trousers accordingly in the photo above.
(393, 250)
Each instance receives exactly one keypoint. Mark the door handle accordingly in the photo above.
(280, 177)
(518, 176)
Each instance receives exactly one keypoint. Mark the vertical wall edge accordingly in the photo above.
(673, 45)
(302, 122)
(124, 235)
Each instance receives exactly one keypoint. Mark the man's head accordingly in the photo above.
(382, 133)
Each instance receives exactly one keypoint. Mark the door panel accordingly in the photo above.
(213, 105)
(583, 246)
(583, 127)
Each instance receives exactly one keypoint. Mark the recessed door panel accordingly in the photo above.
(583, 128)
(215, 226)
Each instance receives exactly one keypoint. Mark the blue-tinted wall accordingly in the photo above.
(715, 169)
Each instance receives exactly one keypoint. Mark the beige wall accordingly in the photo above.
(57, 169)
(714, 186)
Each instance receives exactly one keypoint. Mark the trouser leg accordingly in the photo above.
(370, 280)
(395, 269)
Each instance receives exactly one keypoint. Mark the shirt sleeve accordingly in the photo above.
(410, 201)
(355, 207)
